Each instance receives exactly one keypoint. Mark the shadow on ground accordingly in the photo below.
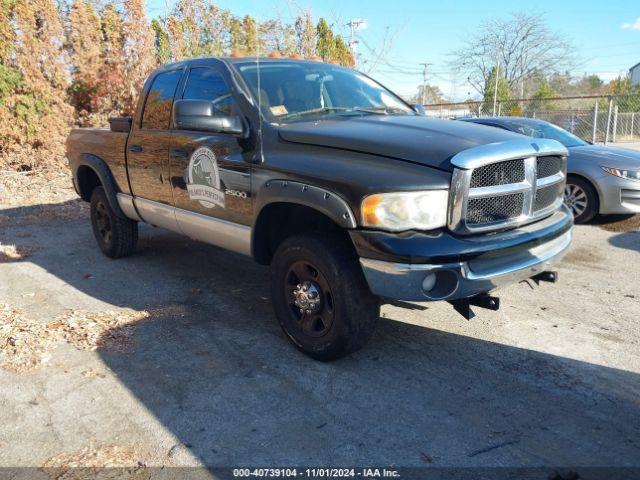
(627, 240)
(618, 223)
(212, 365)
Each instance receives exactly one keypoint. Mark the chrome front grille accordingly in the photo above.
(506, 184)
(548, 166)
(547, 196)
(502, 173)
(494, 209)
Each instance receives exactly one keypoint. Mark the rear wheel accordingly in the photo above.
(321, 297)
(581, 198)
(116, 236)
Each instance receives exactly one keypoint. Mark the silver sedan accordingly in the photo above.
(600, 180)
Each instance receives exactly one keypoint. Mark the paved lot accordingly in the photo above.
(208, 378)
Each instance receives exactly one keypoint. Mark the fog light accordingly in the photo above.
(429, 282)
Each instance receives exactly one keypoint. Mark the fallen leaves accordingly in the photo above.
(102, 462)
(26, 343)
(39, 196)
(35, 187)
(91, 330)
(14, 253)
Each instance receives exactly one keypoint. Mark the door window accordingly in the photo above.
(157, 109)
(207, 84)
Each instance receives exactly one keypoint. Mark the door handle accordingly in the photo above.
(179, 153)
(135, 148)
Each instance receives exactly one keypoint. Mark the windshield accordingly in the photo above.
(546, 130)
(297, 91)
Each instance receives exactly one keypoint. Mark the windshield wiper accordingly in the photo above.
(374, 110)
(312, 111)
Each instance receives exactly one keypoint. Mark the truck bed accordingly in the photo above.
(102, 142)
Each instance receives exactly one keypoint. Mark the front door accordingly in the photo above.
(148, 152)
(210, 179)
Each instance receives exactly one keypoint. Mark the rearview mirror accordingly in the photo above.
(201, 115)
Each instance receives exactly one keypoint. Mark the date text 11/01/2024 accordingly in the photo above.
(317, 472)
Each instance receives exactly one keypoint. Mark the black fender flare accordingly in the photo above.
(320, 199)
(105, 176)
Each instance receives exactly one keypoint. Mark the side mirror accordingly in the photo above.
(201, 115)
(418, 108)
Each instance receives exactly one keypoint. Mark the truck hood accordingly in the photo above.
(614, 157)
(417, 139)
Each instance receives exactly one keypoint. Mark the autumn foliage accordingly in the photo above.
(79, 63)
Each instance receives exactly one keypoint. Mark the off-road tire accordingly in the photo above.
(350, 306)
(591, 195)
(116, 236)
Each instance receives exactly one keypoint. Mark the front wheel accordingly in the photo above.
(581, 198)
(321, 297)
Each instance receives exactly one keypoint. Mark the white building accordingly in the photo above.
(634, 73)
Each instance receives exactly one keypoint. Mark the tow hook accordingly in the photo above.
(547, 276)
(483, 300)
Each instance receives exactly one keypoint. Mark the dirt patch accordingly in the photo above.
(26, 343)
(111, 330)
(15, 253)
(35, 187)
(38, 196)
(618, 223)
(587, 257)
(103, 462)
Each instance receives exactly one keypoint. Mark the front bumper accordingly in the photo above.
(618, 195)
(497, 259)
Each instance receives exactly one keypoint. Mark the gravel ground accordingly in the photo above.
(194, 370)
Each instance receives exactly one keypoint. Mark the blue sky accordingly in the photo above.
(606, 34)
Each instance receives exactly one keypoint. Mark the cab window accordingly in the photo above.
(157, 108)
(207, 84)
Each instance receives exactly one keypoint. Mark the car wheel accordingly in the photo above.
(582, 199)
(116, 236)
(320, 296)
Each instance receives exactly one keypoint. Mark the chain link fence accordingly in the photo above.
(598, 119)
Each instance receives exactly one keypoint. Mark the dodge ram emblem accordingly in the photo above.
(204, 179)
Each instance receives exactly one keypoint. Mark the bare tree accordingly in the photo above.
(522, 44)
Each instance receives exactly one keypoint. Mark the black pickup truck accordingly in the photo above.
(349, 194)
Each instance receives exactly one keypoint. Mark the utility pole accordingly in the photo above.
(424, 82)
(166, 26)
(353, 43)
(495, 93)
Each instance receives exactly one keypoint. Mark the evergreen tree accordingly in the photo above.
(163, 48)
(490, 91)
(37, 118)
(251, 39)
(236, 37)
(84, 41)
(112, 95)
(139, 50)
(324, 40)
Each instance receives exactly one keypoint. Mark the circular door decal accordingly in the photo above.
(204, 179)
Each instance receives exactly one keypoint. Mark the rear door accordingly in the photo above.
(210, 177)
(148, 152)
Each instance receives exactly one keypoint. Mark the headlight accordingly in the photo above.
(406, 210)
(628, 174)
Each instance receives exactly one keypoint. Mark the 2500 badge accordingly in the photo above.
(236, 193)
